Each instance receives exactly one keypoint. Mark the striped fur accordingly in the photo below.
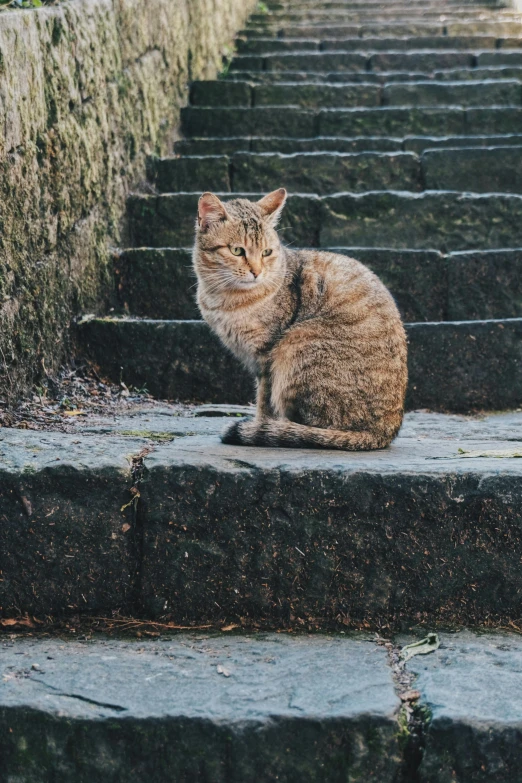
(319, 330)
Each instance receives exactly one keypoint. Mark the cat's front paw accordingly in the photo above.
(233, 433)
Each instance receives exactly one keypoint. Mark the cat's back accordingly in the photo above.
(335, 285)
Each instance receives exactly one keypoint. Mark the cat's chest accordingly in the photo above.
(243, 333)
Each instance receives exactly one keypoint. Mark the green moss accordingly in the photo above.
(83, 122)
(158, 436)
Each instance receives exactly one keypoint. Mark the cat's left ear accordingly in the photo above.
(272, 205)
(210, 210)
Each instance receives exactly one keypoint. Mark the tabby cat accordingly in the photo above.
(319, 331)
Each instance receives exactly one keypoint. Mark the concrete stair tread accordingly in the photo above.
(227, 707)
(421, 60)
(132, 556)
(369, 45)
(255, 706)
(379, 77)
(199, 708)
(204, 146)
(336, 95)
(373, 121)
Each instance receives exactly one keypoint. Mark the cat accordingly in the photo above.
(319, 331)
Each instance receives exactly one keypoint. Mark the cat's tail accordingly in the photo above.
(288, 434)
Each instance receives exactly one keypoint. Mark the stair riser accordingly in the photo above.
(494, 170)
(425, 62)
(452, 366)
(368, 27)
(384, 121)
(426, 285)
(444, 221)
(198, 749)
(156, 283)
(242, 94)
(328, 173)
(261, 46)
(448, 75)
(287, 146)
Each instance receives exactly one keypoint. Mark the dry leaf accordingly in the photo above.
(229, 627)
(410, 696)
(13, 622)
(74, 413)
(221, 670)
(125, 527)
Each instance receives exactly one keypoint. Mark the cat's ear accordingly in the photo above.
(210, 210)
(272, 205)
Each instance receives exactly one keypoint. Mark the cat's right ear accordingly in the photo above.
(210, 210)
(272, 205)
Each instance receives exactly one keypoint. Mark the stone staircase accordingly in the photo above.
(397, 129)
(398, 132)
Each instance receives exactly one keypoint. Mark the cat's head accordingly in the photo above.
(237, 245)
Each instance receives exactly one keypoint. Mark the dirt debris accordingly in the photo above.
(77, 392)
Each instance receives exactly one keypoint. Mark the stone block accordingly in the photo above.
(420, 61)
(469, 689)
(444, 221)
(430, 93)
(220, 93)
(317, 95)
(209, 172)
(480, 170)
(262, 121)
(324, 173)
(391, 121)
(69, 540)
(485, 284)
(226, 709)
(153, 283)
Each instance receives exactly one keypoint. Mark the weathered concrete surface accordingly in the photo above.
(198, 709)
(471, 689)
(265, 537)
(87, 89)
(65, 543)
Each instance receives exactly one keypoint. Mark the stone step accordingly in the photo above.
(196, 708)
(427, 285)
(370, 24)
(442, 24)
(287, 146)
(341, 26)
(479, 170)
(307, 173)
(495, 92)
(390, 538)
(453, 366)
(379, 77)
(444, 221)
(400, 9)
(244, 94)
(263, 46)
(423, 61)
(379, 121)
(225, 707)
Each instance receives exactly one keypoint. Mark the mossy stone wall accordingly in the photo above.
(88, 88)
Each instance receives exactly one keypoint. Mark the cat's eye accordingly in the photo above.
(237, 251)
(266, 252)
